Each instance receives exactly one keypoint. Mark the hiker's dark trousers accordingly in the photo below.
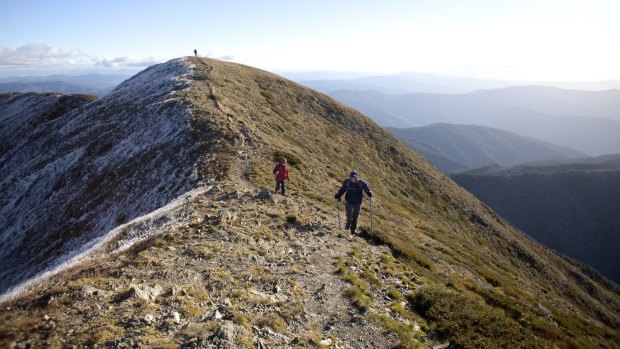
(280, 184)
(353, 211)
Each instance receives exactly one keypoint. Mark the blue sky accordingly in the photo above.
(502, 39)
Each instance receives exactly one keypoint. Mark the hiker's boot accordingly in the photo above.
(348, 225)
(283, 191)
(353, 228)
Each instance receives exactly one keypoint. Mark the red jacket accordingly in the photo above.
(281, 172)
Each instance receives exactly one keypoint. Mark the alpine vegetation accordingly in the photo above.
(164, 193)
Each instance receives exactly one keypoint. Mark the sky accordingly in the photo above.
(538, 40)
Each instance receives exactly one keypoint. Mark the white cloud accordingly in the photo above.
(129, 61)
(41, 55)
(32, 56)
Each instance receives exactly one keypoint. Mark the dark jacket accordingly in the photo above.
(354, 191)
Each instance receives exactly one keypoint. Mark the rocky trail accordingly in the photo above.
(252, 269)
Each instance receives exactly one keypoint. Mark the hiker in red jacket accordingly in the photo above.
(281, 172)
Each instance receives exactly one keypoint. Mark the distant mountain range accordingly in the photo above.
(405, 83)
(573, 208)
(588, 121)
(453, 148)
(92, 84)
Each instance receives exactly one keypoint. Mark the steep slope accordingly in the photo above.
(507, 109)
(573, 209)
(476, 146)
(21, 113)
(242, 268)
(432, 154)
(68, 179)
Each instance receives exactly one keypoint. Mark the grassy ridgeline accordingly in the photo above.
(444, 235)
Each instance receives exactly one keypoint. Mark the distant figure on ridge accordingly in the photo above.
(195, 53)
(281, 172)
(354, 188)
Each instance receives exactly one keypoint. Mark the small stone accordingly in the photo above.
(149, 319)
(264, 194)
(46, 318)
(326, 342)
(213, 190)
(90, 291)
(226, 332)
(227, 302)
(147, 293)
(216, 315)
(97, 307)
(176, 317)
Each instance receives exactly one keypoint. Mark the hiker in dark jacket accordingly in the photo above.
(354, 188)
(281, 172)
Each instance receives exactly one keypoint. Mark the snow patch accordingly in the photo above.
(68, 182)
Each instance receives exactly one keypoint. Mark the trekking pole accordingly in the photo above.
(338, 208)
(370, 216)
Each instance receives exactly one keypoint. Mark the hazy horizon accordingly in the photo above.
(302, 75)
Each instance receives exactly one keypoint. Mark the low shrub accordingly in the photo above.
(468, 323)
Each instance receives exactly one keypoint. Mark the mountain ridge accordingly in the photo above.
(508, 109)
(453, 147)
(237, 250)
(93, 84)
(404, 83)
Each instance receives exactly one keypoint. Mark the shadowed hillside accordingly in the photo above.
(572, 208)
(244, 268)
(454, 148)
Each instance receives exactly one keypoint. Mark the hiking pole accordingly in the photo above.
(370, 216)
(338, 208)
